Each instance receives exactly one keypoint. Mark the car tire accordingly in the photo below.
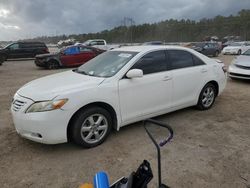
(216, 54)
(239, 52)
(52, 64)
(207, 97)
(3, 58)
(90, 127)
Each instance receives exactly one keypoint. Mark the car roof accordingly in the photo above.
(149, 48)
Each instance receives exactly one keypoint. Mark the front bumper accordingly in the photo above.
(230, 52)
(236, 72)
(40, 62)
(45, 127)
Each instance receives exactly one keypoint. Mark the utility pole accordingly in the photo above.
(128, 23)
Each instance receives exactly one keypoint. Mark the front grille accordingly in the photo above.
(242, 67)
(17, 105)
(240, 75)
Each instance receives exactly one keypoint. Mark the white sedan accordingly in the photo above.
(115, 89)
(236, 48)
(240, 67)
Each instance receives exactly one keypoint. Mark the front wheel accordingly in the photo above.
(52, 64)
(207, 97)
(216, 54)
(2, 58)
(91, 127)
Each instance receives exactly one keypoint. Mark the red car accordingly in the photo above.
(68, 57)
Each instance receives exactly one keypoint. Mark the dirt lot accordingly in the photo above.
(210, 148)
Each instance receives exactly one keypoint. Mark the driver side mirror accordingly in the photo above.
(134, 73)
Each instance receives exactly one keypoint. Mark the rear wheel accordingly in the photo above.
(207, 97)
(91, 127)
(52, 64)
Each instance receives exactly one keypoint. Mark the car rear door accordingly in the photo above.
(189, 74)
(27, 50)
(86, 54)
(149, 94)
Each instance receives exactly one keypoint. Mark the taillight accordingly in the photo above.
(46, 50)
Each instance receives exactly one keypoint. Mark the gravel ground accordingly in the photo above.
(210, 148)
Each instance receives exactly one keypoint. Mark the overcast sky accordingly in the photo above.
(21, 19)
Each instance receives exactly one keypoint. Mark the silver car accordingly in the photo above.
(240, 66)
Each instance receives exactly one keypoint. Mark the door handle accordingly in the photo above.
(166, 78)
(203, 70)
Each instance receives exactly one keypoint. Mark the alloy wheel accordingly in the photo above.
(208, 97)
(94, 128)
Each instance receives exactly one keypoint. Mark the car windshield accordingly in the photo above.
(247, 52)
(106, 64)
(235, 44)
(87, 42)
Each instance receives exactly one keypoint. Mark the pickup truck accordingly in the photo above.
(101, 44)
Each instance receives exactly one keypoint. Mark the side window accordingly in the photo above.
(152, 62)
(100, 42)
(84, 49)
(72, 50)
(180, 59)
(14, 46)
(197, 61)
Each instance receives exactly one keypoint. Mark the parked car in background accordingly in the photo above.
(240, 66)
(116, 88)
(207, 48)
(153, 43)
(23, 50)
(67, 57)
(236, 48)
(100, 43)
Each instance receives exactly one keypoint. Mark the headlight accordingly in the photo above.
(46, 105)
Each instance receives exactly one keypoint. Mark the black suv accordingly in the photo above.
(207, 48)
(22, 50)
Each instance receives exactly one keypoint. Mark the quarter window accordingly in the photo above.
(197, 61)
(180, 59)
(152, 62)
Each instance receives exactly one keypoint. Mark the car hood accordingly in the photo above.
(243, 60)
(47, 55)
(49, 87)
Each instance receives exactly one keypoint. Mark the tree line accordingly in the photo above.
(170, 30)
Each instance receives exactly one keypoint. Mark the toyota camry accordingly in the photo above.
(114, 89)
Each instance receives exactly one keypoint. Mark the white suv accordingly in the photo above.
(114, 89)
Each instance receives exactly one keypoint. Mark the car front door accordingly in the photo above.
(149, 94)
(14, 51)
(70, 56)
(189, 73)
